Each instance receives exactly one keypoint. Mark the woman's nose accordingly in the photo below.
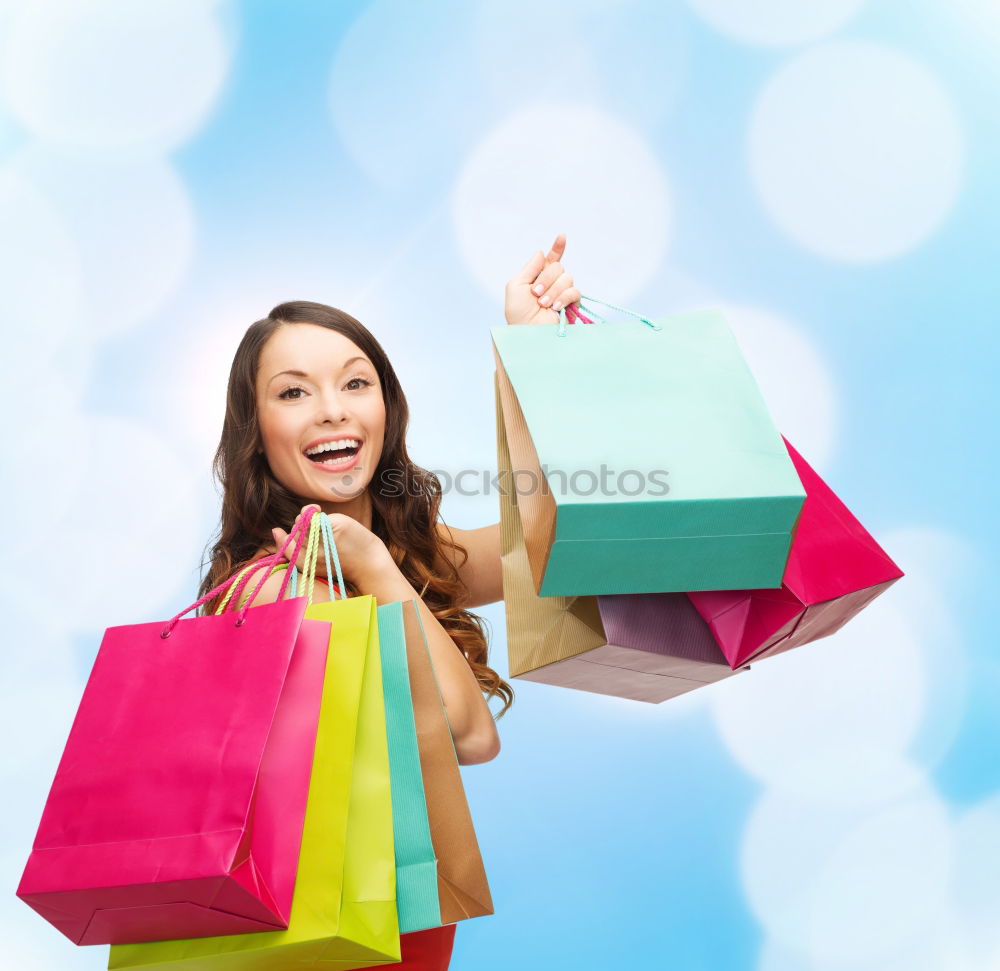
(333, 409)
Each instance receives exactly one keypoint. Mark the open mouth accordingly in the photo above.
(335, 455)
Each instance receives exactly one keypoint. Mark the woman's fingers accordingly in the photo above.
(280, 537)
(546, 278)
(565, 297)
(541, 261)
(555, 287)
(555, 290)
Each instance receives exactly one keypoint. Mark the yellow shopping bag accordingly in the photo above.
(344, 908)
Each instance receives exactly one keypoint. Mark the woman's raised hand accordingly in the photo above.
(541, 289)
(359, 550)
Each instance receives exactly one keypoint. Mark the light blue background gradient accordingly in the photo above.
(171, 171)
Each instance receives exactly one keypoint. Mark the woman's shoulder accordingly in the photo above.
(273, 584)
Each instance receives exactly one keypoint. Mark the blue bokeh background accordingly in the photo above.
(169, 171)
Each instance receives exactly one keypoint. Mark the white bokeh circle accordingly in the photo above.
(933, 945)
(48, 704)
(637, 73)
(43, 458)
(133, 223)
(611, 199)
(49, 359)
(134, 528)
(847, 885)
(776, 23)
(786, 841)
(975, 885)
(197, 391)
(393, 92)
(856, 151)
(885, 880)
(42, 684)
(830, 719)
(407, 112)
(862, 867)
(793, 377)
(31, 944)
(938, 565)
(114, 74)
(40, 272)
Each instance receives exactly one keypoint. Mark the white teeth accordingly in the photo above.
(334, 446)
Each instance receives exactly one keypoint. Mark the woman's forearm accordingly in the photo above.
(472, 725)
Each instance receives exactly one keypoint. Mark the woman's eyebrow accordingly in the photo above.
(357, 357)
(297, 374)
(302, 374)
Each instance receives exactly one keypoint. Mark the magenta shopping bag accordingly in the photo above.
(177, 807)
(835, 569)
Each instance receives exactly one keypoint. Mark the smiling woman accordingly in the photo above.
(315, 415)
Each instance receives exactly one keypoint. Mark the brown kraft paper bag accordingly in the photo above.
(462, 886)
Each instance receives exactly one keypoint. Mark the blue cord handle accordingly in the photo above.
(623, 310)
(330, 555)
(561, 329)
(330, 547)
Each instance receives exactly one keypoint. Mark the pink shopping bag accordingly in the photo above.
(177, 807)
(835, 568)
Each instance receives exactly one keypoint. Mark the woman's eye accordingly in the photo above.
(295, 393)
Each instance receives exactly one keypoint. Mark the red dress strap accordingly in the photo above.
(335, 586)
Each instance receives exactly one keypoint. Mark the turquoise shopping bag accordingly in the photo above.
(644, 457)
(416, 862)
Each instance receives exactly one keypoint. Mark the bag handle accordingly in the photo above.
(239, 581)
(253, 568)
(318, 527)
(279, 557)
(575, 314)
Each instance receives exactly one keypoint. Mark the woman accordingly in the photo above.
(315, 414)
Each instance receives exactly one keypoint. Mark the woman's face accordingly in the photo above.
(316, 387)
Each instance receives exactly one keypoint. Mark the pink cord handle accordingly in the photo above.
(573, 312)
(269, 561)
(296, 535)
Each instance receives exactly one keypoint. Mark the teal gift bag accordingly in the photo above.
(416, 862)
(644, 458)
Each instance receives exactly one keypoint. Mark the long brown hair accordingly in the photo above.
(253, 500)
